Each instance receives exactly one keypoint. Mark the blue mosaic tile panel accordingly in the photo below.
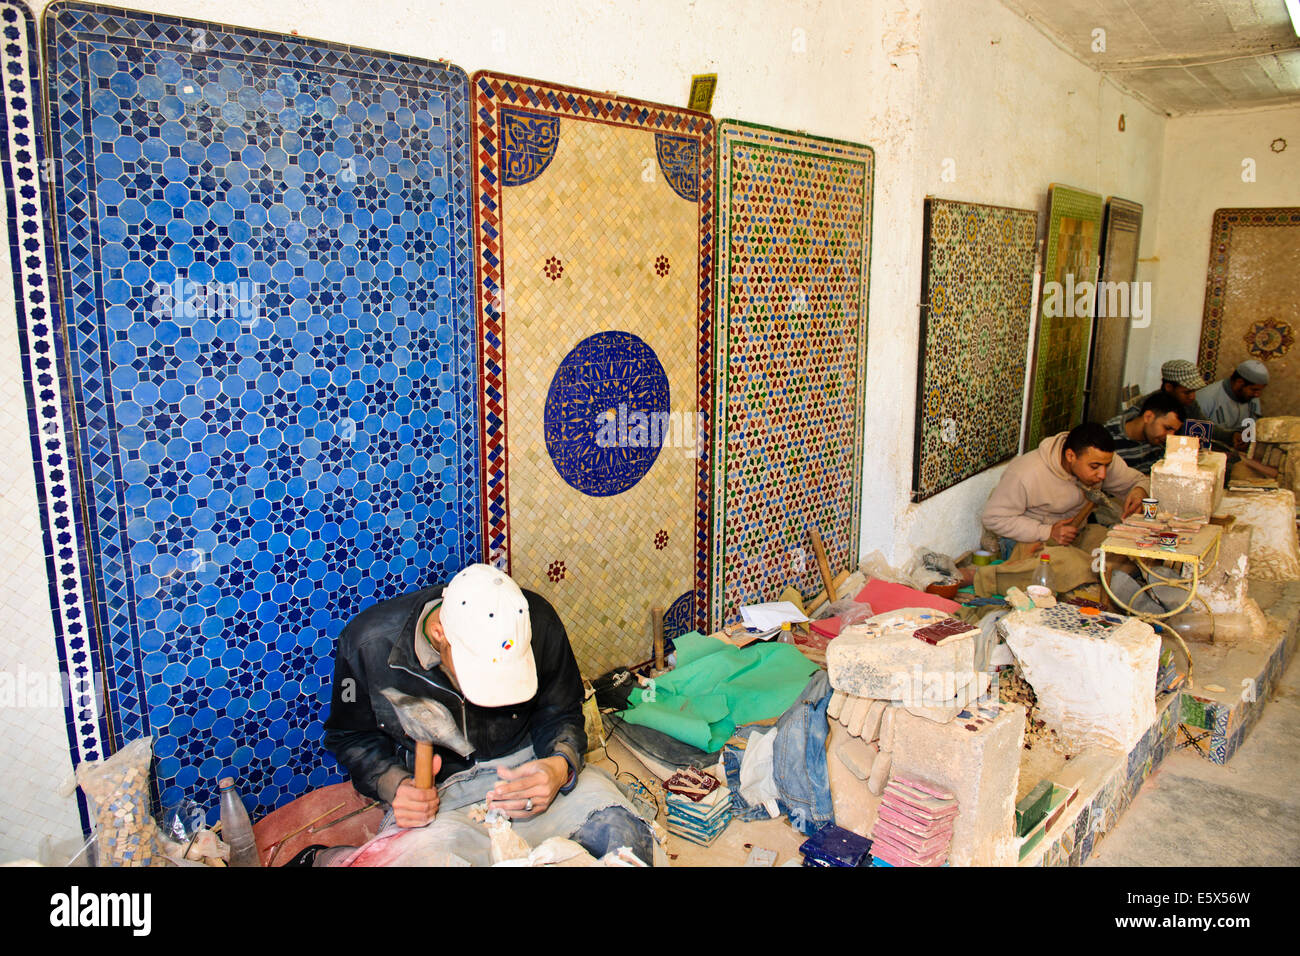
(265, 257)
(26, 173)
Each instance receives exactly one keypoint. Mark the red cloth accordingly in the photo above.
(883, 597)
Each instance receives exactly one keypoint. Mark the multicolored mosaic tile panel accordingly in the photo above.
(1252, 300)
(1064, 317)
(1119, 257)
(976, 287)
(266, 271)
(41, 345)
(595, 269)
(794, 227)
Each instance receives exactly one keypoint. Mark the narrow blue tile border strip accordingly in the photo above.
(265, 254)
(40, 337)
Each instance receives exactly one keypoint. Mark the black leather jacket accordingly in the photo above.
(377, 650)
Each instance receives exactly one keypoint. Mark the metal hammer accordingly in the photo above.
(427, 722)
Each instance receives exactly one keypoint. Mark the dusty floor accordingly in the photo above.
(1247, 813)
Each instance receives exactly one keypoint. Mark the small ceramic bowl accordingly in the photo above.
(948, 591)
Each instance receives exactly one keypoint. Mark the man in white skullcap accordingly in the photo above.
(1229, 402)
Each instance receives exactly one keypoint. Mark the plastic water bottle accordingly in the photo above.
(236, 828)
(1043, 575)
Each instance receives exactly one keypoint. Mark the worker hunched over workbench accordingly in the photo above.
(493, 664)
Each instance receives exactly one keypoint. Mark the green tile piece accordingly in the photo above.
(1031, 810)
(1194, 712)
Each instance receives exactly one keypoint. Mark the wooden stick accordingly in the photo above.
(1087, 509)
(814, 605)
(657, 625)
(289, 836)
(369, 806)
(823, 565)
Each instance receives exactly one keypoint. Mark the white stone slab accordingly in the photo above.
(1093, 691)
(881, 659)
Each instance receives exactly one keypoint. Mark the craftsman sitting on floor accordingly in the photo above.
(1140, 433)
(499, 659)
(1230, 401)
(1181, 379)
(1042, 490)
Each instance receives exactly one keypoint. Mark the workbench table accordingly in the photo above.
(1201, 552)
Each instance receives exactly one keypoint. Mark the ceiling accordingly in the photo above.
(1181, 56)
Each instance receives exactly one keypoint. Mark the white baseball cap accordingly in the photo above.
(485, 618)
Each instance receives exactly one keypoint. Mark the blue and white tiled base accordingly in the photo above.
(1215, 730)
(1099, 805)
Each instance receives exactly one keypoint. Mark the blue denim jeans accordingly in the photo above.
(798, 759)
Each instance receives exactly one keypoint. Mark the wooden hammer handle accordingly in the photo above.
(1087, 509)
(423, 764)
(657, 625)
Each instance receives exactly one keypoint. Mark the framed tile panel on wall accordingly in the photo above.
(1121, 236)
(1065, 313)
(594, 219)
(1252, 300)
(794, 228)
(265, 264)
(976, 284)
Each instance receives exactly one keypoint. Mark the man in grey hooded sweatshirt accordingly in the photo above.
(1042, 490)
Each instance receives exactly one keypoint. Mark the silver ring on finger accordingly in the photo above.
(528, 805)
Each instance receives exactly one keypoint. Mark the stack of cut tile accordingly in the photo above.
(1135, 528)
(837, 847)
(914, 824)
(699, 807)
(1038, 811)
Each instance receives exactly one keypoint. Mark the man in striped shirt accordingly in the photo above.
(1140, 433)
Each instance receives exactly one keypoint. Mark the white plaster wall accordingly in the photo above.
(34, 756)
(1014, 113)
(1203, 172)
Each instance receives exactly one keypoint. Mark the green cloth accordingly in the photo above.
(716, 687)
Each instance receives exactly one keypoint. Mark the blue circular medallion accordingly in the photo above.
(607, 413)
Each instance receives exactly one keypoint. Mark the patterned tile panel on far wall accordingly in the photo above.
(794, 228)
(1252, 300)
(595, 270)
(1065, 315)
(976, 284)
(267, 279)
(39, 343)
(1121, 238)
